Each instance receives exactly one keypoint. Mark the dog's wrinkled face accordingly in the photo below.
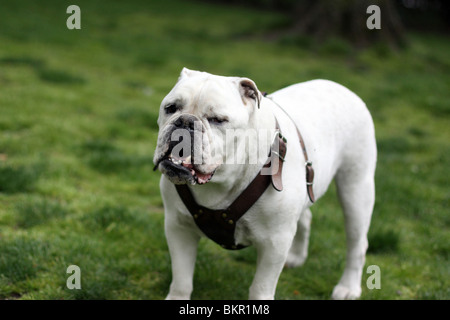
(192, 120)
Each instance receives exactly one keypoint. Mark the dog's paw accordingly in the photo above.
(342, 292)
(177, 297)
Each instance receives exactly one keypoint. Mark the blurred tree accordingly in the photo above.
(319, 19)
(346, 18)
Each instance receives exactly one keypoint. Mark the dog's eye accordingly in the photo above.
(215, 120)
(171, 108)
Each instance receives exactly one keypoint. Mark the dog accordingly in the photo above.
(339, 143)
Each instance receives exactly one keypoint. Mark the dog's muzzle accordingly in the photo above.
(183, 144)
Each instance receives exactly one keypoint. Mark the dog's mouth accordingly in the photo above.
(182, 168)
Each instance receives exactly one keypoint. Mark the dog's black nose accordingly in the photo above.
(178, 122)
(186, 121)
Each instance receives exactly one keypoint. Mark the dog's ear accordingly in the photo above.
(186, 73)
(249, 92)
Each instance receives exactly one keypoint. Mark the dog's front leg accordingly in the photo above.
(182, 244)
(271, 259)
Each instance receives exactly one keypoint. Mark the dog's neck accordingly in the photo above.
(220, 191)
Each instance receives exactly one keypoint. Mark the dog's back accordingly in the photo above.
(335, 123)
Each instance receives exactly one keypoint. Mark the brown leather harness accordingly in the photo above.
(219, 225)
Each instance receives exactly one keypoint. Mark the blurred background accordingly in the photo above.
(78, 111)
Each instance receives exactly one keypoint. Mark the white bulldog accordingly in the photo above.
(340, 141)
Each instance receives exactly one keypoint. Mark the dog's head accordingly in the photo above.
(193, 119)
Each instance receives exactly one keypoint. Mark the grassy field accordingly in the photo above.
(78, 129)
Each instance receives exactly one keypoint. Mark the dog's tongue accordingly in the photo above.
(187, 165)
(203, 178)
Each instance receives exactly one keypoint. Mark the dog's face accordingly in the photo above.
(192, 121)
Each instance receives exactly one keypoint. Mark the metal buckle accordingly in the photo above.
(309, 163)
(279, 156)
(278, 135)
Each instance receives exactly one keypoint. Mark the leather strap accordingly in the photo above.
(309, 168)
(219, 225)
(278, 151)
(308, 163)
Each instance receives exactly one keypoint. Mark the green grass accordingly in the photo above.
(78, 130)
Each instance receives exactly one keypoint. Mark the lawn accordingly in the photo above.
(78, 112)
